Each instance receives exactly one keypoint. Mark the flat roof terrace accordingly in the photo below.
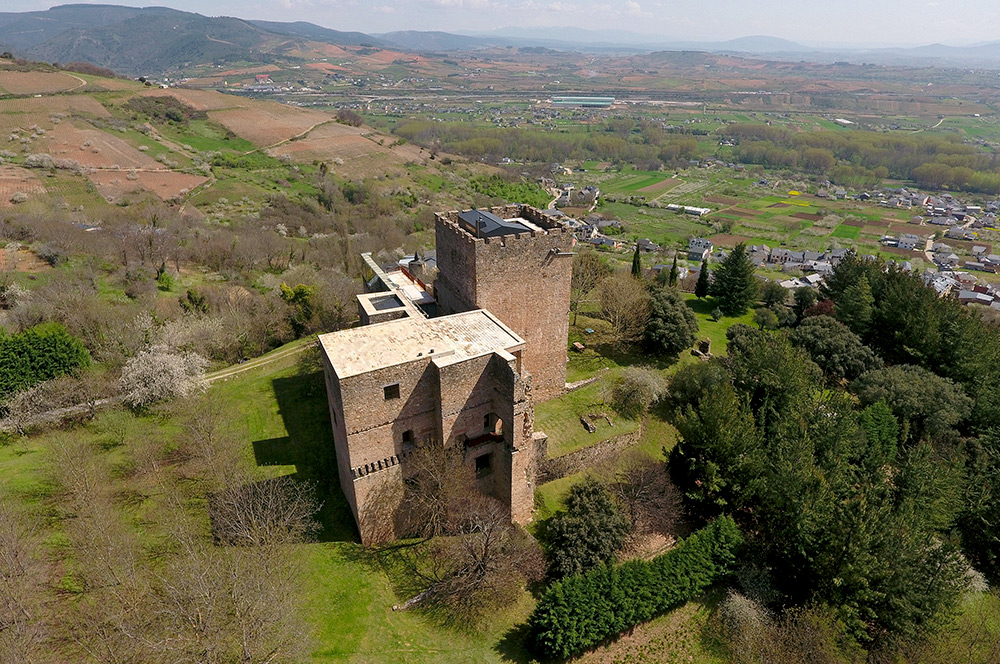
(457, 337)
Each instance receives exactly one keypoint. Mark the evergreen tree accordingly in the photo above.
(855, 305)
(672, 324)
(701, 287)
(735, 286)
(672, 281)
(636, 263)
(588, 533)
(804, 298)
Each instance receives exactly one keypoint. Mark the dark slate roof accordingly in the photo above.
(487, 224)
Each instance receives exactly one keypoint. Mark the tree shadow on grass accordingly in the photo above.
(513, 646)
(302, 404)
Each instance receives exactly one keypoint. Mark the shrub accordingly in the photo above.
(636, 390)
(581, 611)
(37, 355)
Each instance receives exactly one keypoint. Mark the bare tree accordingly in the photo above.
(625, 305)
(589, 268)
(24, 628)
(481, 569)
(437, 484)
(272, 511)
(232, 604)
(651, 501)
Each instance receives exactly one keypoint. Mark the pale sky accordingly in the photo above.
(861, 22)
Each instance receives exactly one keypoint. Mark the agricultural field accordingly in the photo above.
(15, 180)
(89, 146)
(29, 83)
(167, 185)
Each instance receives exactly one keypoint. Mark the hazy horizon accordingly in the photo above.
(851, 23)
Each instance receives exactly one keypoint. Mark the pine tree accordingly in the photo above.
(636, 263)
(735, 286)
(672, 281)
(854, 308)
(701, 287)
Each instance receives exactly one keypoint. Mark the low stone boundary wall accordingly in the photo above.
(587, 457)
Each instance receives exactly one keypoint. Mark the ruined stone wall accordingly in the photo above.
(523, 279)
(588, 457)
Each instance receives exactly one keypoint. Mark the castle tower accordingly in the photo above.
(514, 262)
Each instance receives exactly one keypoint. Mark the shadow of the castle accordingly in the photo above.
(309, 447)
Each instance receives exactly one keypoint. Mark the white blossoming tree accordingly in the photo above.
(160, 373)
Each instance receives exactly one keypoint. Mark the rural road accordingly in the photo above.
(931, 127)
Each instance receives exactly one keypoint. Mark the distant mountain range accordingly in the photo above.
(152, 40)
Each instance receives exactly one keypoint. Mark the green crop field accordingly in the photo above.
(846, 232)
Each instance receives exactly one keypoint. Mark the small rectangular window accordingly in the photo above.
(391, 391)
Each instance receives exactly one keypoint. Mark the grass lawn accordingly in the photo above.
(714, 330)
(560, 419)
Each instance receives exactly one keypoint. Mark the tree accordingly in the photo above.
(773, 294)
(980, 519)
(589, 269)
(636, 390)
(301, 298)
(701, 287)
(735, 287)
(775, 377)
(839, 352)
(587, 533)
(765, 319)
(672, 325)
(37, 355)
(804, 299)
(713, 459)
(158, 374)
(925, 404)
(637, 262)
(672, 279)
(854, 308)
(625, 305)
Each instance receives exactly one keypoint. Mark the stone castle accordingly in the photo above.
(458, 362)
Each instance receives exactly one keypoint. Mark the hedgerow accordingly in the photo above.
(579, 612)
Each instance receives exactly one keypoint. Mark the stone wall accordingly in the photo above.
(523, 279)
(588, 457)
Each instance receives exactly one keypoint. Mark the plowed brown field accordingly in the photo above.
(165, 184)
(15, 179)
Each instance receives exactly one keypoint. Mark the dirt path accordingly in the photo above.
(59, 415)
(293, 138)
(82, 82)
(931, 127)
(255, 363)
